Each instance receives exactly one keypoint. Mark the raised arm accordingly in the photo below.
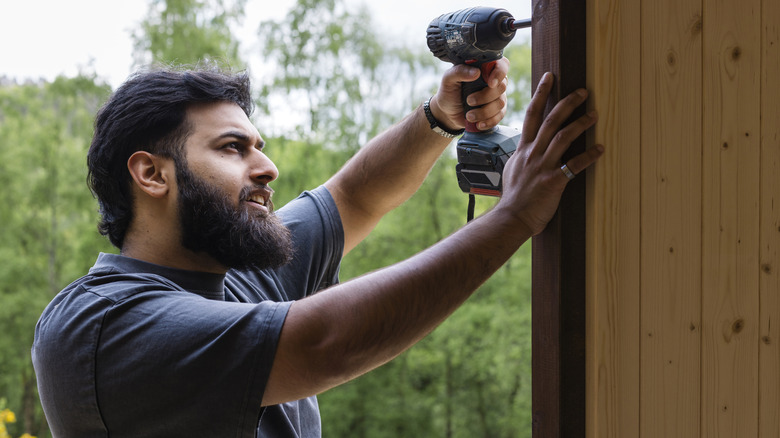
(347, 330)
(392, 166)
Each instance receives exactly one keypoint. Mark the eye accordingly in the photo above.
(238, 147)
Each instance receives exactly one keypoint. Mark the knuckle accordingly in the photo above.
(533, 112)
(550, 123)
(560, 137)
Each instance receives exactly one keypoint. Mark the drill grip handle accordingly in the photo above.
(470, 87)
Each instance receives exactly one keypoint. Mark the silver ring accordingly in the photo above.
(566, 171)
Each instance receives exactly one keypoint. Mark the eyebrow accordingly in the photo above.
(241, 137)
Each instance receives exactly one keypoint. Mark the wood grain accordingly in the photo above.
(769, 345)
(671, 217)
(730, 220)
(613, 220)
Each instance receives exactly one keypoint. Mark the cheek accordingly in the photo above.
(222, 175)
(221, 171)
(230, 184)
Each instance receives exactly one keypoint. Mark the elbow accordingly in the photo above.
(314, 354)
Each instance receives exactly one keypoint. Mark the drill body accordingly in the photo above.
(477, 37)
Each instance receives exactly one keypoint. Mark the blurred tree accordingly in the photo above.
(325, 66)
(188, 32)
(519, 88)
(48, 234)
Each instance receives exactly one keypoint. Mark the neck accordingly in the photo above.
(167, 251)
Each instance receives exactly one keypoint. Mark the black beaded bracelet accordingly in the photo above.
(435, 126)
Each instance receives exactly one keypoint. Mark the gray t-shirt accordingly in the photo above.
(135, 349)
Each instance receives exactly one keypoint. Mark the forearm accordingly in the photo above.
(352, 328)
(390, 168)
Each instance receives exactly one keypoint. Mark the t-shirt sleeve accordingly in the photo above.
(192, 361)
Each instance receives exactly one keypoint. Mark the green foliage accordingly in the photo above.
(48, 231)
(519, 87)
(327, 66)
(316, 69)
(188, 32)
(302, 166)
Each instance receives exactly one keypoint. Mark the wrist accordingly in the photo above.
(511, 224)
(434, 115)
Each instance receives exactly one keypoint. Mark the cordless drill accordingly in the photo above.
(477, 37)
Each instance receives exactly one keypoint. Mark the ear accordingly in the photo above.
(152, 174)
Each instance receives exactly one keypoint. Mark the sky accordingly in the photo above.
(47, 38)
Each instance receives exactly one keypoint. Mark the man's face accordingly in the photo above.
(224, 202)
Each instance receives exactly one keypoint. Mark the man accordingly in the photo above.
(207, 323)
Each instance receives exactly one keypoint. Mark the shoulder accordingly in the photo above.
(310, 204)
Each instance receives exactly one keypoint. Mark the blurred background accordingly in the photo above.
(327, 75)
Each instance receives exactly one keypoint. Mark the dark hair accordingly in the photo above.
(148, 112)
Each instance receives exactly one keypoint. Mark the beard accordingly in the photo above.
(237, 237)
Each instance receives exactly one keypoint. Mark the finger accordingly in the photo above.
(499, 73)
(584, 160)
(564, 138)
(489, 115)
(464, 73)
(457, 74)
(487, 95)
(534, 115)
(558, 116)
(448, 97)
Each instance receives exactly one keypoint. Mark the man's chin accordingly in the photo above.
(272, 250)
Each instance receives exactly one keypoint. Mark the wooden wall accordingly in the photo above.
(683, 219)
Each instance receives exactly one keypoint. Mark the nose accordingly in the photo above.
(262, 168)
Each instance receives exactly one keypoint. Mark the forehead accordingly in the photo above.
(212, 120)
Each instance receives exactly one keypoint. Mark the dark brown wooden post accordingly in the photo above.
(558, 303)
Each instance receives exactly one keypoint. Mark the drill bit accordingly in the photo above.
(519, 24)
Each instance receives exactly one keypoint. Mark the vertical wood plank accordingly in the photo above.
(558, 301)
(613, 221)
(730, 221)
(671, 217)
(769, 376)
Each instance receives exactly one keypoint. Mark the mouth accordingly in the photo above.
(260, 199)
(257, 199)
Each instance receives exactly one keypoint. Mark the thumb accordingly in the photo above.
(461, 73)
